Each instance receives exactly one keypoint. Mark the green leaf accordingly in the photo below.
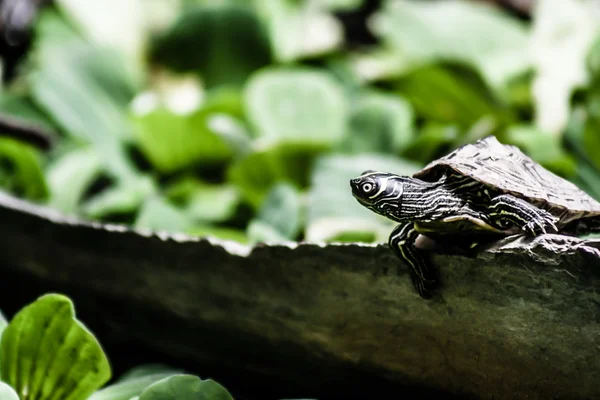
(426, 31)
(173, 141)
(261, 232)
(345, 5)
(146, 370)
(123, 30)
(561, 39)
(120, 199)
(204, 202)
(279, 217)
(377, 64)
(224, 43)
(158, 215)
(20, 169)
(255, 174)
(452, 93)
(213, 203)
(224, 109)
(300, 29)
(379, 123)
(52, 32)
(3, 325)
(185, 387)
(542, 147)
(7, 393)
(70, 176)
(218, 232)
(83, 89)
(582, 124)
(134, 382)
(432, 140)
(333, 211)
(299, 105)
(22, 108)
(48, 354)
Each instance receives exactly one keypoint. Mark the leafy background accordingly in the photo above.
(245, 120)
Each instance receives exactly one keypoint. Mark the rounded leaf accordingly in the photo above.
(296, 105)
(48, 354)
(185, 387)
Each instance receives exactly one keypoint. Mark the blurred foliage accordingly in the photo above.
(245, 119)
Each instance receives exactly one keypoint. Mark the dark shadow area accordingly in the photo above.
(257, 374)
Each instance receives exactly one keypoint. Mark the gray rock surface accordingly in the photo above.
(521, 320)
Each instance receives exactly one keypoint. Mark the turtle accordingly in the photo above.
(476, 194)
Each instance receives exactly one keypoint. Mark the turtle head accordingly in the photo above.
(379, 191)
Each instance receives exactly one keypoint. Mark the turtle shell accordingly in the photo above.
(507, 169)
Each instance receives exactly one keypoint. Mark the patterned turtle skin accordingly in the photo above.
(476, 194)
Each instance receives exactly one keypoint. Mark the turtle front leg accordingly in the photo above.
(402, 241)
(506, 210)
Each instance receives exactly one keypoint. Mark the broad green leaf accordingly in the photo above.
(204, 202)
(517, 93)
(134, 382)
(345, 5)
(226, 117)
(123, 30)
(378, 64)
(298, 105)
(591, 141)
(213, 203)
(158, 215)
(83, 88)
(451, 93)
(261, 232)
(83, 111)
(7, 393)
(279, 217)
(582, 124)
(48, 354)
(147, 369)
(300, 29)
(224, 43)
(52, 33)
(218, 232)
(592, 60)
(542, 147)
(20, 169)
(431, 141)
(379, 123)
(173, 141)
(255, 174)
(21, 107)
(563, 34)
(282, 210)
(185, 387)
(70, 176)
(485, 37)
(333, 211)
(588, 179)
(89, 104)
(3, 325)
(120, 199)
(582, 134)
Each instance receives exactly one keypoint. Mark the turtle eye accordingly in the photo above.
(367, 187)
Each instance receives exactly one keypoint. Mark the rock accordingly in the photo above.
(521, 320)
